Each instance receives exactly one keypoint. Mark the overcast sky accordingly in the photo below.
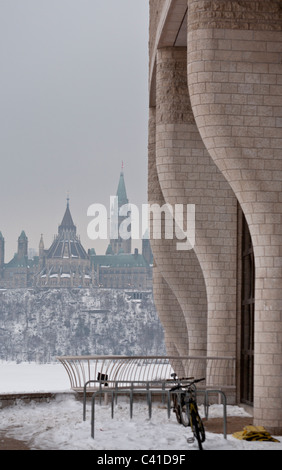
(73, 106)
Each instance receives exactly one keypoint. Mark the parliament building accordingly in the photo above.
(66, 263)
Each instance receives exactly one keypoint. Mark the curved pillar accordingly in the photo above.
(181, 272)
(235, 85)
(171, 316)
(187, 175)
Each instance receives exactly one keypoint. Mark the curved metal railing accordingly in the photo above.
(219, 371)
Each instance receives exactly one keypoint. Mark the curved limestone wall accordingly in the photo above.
(235, 85)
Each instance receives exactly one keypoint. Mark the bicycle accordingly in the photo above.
(186, 409)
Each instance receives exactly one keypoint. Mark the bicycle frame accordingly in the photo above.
(186, 409)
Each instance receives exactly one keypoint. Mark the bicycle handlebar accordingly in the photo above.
(199, 380)
(186, 385)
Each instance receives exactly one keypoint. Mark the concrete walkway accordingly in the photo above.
(7, 443)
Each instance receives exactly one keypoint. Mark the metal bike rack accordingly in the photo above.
(114, 392)
(124, 386)
(131, 394)
(224, 402)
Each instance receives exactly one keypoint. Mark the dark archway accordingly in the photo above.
(247, 316)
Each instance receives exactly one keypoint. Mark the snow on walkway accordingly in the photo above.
(59, 424)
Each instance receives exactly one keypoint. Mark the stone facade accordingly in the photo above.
(215, 139)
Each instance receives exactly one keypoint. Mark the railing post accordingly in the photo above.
(93, 414)
(168, 404)
(131, 401)
(149, 403)
(113, 405)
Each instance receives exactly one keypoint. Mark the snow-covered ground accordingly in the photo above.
(59, 424)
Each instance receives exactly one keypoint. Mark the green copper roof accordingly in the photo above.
(23, 262)
(23, 235)
(1, 236)
(109, 250)
(121, 191)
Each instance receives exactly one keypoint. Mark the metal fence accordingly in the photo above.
(219, 372)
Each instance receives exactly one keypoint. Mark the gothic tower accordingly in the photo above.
(22, 245)
(120, 244)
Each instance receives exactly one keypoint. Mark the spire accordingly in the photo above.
(41, 242)
(109, 250)
(121, 191)
(41, 248)
(67, 222)
(23, 236)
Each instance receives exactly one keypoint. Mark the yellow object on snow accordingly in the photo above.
(254, 433)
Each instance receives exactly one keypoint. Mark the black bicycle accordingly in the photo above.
(186, 408)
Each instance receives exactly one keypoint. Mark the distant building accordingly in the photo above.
(120, 245)
(19, 272)
(119, 268)
(122, 271)
(64, 264)
(67, 264)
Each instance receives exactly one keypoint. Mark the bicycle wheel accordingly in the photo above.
(180, 409)
(197, 427)
(183, 412)
(176, 409)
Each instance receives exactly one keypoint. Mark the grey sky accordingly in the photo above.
(73, 105)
